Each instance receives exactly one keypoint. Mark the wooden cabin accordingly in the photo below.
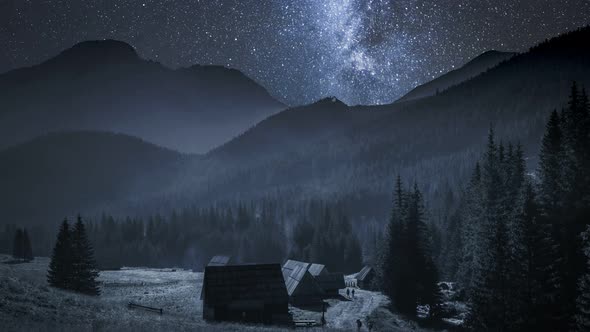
(218, 260)
(364, 279)
(331, 283)
(245, 293)
(302, 287)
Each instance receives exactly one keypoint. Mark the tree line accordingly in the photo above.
(325, 235)
(260, 232)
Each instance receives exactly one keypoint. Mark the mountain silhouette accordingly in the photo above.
(471, 69)
(325, 150)
(105, 85)
(65, 173)
(317, 151)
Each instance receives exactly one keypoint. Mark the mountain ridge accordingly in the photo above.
(106, 86)
(472, 68)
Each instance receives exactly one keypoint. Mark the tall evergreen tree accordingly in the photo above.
(582, 316)
(574, 216)
(60, 267)
(540, 280)
(497, 251)
(472, 235)
(409, 276)
(550, 168)
(426, 273)
(394, 279)
(84, 271)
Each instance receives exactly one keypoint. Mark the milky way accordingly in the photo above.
(361, 51)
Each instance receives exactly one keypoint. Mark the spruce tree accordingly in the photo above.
(84, 271)
(409, 275)
(541, 281)
(60, 268)
(472, 236)
(394, 277)
(550, 168)
(428, 292)
(17, 247)
(582, 316)
(489, 296)
(575, 213)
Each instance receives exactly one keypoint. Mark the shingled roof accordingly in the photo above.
(219, 260)
(317, 269)
(363, 273)
(244, 283)
(293, 273)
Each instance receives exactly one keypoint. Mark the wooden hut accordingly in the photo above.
(331, 283)
(365, 277)
(302, 287)
(245, 293)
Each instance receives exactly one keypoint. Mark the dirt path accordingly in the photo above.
(343, 314)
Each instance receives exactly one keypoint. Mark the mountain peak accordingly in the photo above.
(99, 51)
(333, 101)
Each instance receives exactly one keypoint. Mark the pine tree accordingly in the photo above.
(60, 267)
(471, 210)
(574, 215)
(84, 271)
(550, 168)
(17, 247)
(582, 316)
(489, 298)
(394, 278)
(541, 281)
(409, 275)
(27, 248)
(428, 292)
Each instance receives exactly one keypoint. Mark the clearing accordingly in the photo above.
(27, 303)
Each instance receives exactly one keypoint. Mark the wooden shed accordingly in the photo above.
(331, 283)
(364, 278)
(302, 287)
(245, 293)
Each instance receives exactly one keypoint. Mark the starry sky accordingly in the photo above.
(361, 51)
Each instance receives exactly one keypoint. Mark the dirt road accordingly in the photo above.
(344, 314)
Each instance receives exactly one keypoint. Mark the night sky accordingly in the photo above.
(361, 51)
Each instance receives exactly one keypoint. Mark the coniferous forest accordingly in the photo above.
(515, 243)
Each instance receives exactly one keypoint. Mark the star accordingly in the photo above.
(361, 51)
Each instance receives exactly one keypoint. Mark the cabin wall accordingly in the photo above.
(269, 314)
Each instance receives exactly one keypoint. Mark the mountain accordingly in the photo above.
(351, 154)
(471, 69)
(326, 150)
(65, 173)
(106, 86)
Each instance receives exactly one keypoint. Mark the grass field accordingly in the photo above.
(28, 304)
